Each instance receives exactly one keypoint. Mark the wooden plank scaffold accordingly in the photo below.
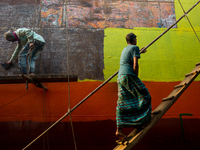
(34, 81)
(37, 79)
(40, 78)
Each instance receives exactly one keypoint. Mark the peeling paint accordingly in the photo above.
(102, 13)
(167, 22)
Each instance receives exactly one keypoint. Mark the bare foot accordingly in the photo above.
(119, 133)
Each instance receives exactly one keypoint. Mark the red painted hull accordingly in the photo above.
(25, 116)
(100, 106)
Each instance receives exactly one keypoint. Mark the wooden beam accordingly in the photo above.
(162, 109)
(40, 77)
(34, 81)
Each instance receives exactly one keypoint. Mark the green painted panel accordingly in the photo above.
(169, 59)
(193, 15)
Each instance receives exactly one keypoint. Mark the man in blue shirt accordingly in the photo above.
(134, 100)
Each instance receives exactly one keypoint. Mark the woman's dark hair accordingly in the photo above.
(130, 37)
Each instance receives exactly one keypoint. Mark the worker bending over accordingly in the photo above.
(29, 46)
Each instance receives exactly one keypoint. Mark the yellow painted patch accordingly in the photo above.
(168, 59)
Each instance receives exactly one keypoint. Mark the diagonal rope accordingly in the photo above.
(189, 21)
(17, 98)
(171, 26)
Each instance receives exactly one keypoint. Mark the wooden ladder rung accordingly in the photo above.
(191, 73)
(168, 98)
(155, 112)
(180, 85)
(198, 64)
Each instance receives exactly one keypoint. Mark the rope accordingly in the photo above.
(45, 138)
(100, 86)
(189, 22)
(30, 51)
(34, 20)
(171, 26)
(69, 107)
(17, 98)
(29, 54)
